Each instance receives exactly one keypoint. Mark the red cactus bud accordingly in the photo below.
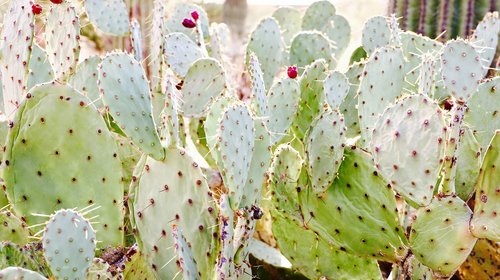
(292, 72)
(195, 15)
(56, 1)
(37, 9)
(188, 23)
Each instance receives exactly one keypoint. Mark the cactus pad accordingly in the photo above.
(40, 68)
(85, 79)
(69, 244)
(289, 20)
(259, 100)
(19, 273)
(185, 259)
(339, 31)
(349, 106)
(335, 87)
(317, 14)
(110, 16)
(204, 82)
(468, 165)
(440, 237)
(308, 46)
(13, 229)
(181, 11)
(376, 34)
(125, 91)
(282, 104)
(485, 38)
(181, 52)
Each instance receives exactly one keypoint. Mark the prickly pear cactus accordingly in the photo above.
(468, 165)
(414, 128)
(40, 68)
(120, 73)
(339, 31)
(259, 100)
(41, 147)
(440, 237)
(19, 273)
(485, 222)
(184, 10)
(185, 259)
(485, 38)
(13, 229)
(369, 227)
(317, 14)
(349, 106)
(110, 16)
(282, 105)
(308, 46)
(376, 34)
(289, 20)
(69, 244)
(85, 79)
(181, 52)
(483, 261)
(335, 87)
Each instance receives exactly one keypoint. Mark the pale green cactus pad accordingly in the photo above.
(325, 144)
(289, 20)
(335, 87)
(204, 82)
(110, 16)
(40, 68)
(259, 100)
(17, 38)
(69, 244)
(426, 75)
(311, 91)
(485, 38)
(315, 258)
(156, 48)
(268, 254)
(358, 213)
(376, 34)
(485, 222)
(174, 191)
(62, 36)
(308, 46)
(181, 11)
(181, 52)
(381, 83)
(19, 273)
(125, 92)
(13, 229)
(468, 165)
(85, 79)
(185, 259)
(339, 31)
(461, 69)
(41, 147)
(258, 167)
(440, 237)
(482, 112)
(317, 14)
(266, 43)
(212, 124)
(413, 128)
(349, 107)
(282, 104)
(236, 140)
(136, 39)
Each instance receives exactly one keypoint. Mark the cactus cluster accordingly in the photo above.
(146, 163)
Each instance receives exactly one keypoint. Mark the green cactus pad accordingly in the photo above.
(62, 36)
(349, 106)
(212, 124)
(317, 14)
(181, 52)
(156, 47)
(125, 91)
(204, 81)
(170, 122)
(482, 112)
(485, 38)
(181, 11)
(137, 268)
(258, 167)
(468, 165)
(335, 87)
(485, 222)
(69, 244)
(185, 259)
(60, 144)
(136, 39)
(376, 34)
(426, 75)
(282, 104)
(259, 100)
(236, 140)
(109, 16)
(339, 31)
(358, 213)
(289, 20)
(325, 149)
(267, 44)
(19, 273)
(414, 128)
(85, 79)
(13, 229)
(17, 38)
(461, 69)
(311, 91)
(174, 191)
(440, 237)
(315, 258)
(381, 83)
(483, 261)
(308, 46)
(40, 69)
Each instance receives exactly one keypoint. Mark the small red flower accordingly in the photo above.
(292, 72)
(195, 15)
(56, 1)
(188, 23)
(37, 9)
